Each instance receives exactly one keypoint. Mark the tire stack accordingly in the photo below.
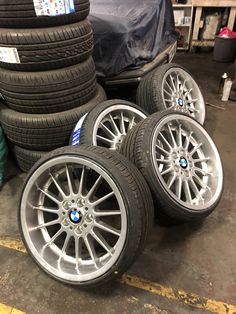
(47, 76)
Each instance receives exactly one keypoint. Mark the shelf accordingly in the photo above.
(182, 25)
(182, 5)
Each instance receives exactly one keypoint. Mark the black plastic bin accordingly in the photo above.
(225, 49)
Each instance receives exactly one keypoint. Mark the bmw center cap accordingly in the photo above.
(183, 162)
(75, 216)
(180, 102)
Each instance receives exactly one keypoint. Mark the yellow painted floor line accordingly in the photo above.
(179, 295)
(12, 244)
(152, 287)
(4, 309)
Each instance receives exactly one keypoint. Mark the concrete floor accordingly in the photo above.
(197, 258)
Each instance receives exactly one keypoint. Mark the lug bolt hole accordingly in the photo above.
(64, 213)
(86, 208)
(71, 228)
(85, 226)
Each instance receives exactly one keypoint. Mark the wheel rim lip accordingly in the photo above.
(158, 175)
(31, 246)
(201, 116)
(112, 109)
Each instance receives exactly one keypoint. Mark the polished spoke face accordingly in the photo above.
(113, 124)
(181, 93)
(187, 162)
(76, 220)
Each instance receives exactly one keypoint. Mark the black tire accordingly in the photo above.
(87, 129)
(150, 95)
(137, 147)
(21, 14)
(49, 91)
(48, 48)
(135, 195)
(44, 132)
(26, 158)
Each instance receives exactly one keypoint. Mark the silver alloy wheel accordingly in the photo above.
(73, 218)
(112, 125)
(187, 162)
(180, 92)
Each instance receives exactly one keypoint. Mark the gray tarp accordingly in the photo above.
(130, 32)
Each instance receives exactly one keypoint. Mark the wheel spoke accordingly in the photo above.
(162, 150)
(187, 191)
(173, 83)
(170, 88)
(78, 251)
(100, 239)
(203, 172)
(106, 130)
(53, 239)
(103, 199)
(201, 160)
(187, 141)
(94, 187)
(102, 225)
(180, 136)
(104, 140)
(165, 140)
(190, 101)
(46, 209)
(91, 251)
(178, 188)
(188, 92)
(172, 136)
(171, 180)
(178, 82)
(131, 123)
(57, 184)
(46, 224)
(195, 190)
(167, 92)
(63, 250)
(122, 124)
(81, 182)
(183, 86)
(201, 183)
(195, 148)
(104, 213)
(50, 196)
(71, 192)
(163, 161)
(113, 125)
(167, 171)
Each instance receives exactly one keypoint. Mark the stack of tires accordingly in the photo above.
(47, 76)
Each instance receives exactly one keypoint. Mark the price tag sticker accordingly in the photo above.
(9, 55)
(54, 7)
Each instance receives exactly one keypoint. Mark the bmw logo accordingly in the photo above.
(180, 102)
(75, 216)
(183, 162)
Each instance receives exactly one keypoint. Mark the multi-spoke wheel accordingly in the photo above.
(83, 214)
(171, 86)
(180, 162)
(107, 124)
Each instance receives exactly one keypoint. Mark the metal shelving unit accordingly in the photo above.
(185, 29)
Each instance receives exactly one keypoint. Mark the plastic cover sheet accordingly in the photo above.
(130, 33)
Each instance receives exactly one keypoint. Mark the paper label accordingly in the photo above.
(9, 55)
(77, 131)
(54, 7)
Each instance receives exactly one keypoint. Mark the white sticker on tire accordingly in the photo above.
(9, 55)
(54, 7)
(77, 131)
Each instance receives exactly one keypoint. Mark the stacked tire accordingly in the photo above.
(47, 77)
